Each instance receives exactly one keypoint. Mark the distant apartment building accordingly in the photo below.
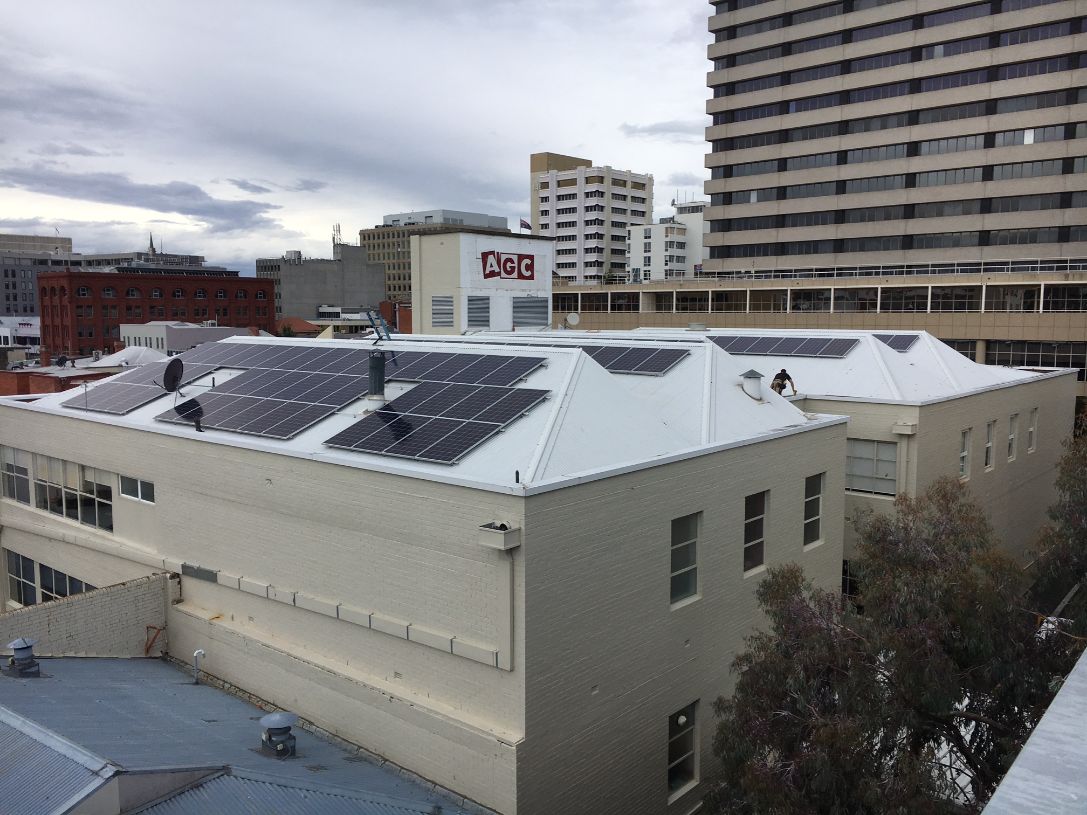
(878, 132)
(671, 248)
(21, 258)
(587, 210)
(174, 336)
(82, 311)
(389, 242)
(348, 279)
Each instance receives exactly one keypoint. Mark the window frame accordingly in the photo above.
(690, 565)
(752, 541)
(687, 733)
(813, 516)
(1013, 436)
(964, 453)
(990, 435)
(1032, 431)
(143, 489)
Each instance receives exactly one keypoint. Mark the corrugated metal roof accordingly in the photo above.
(146, 714)
(252, 794)
(29, 754)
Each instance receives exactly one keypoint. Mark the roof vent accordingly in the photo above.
(376, 392)
(696, 326)
(752, 384)
(23, 664)
(277, 740)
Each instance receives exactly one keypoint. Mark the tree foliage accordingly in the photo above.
(1061, 554)
(919, 704)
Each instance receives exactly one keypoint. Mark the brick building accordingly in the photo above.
(82, 311)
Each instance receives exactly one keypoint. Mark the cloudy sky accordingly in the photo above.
(242, 129)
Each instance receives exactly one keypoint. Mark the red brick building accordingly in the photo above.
(81, 311)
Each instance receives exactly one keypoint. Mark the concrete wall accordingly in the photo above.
(608, 657)
(107, 622)
(348, 279)
(1014, 494)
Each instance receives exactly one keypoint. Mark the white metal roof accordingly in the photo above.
(929, 371)
(593, 424)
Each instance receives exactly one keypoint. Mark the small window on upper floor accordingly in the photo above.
(140, 490)
(684, 555)
(813, 509)
(990, 432)
(1032, 431)
(964, 453)
(1013, 433)
(241, 294)
(220, 294)
(156, 294)
(755, 530)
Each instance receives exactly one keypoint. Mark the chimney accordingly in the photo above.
(376, 392)
(277, 739)
(23, 664)
(752, 384)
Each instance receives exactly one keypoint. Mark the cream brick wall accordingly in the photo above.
(106, 622)
(333, 592)
(1014, 494)
(607, 656)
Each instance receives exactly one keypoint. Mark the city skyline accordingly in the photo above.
(235, 134)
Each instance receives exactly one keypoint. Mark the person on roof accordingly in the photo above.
(778, 384)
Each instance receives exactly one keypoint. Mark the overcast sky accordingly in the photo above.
(242, 129)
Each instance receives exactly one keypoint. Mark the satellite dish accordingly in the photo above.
(191, 410)
(171, 379)
(573, 318)
(62, 361)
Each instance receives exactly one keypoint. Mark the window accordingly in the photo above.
(22, 586)
(109, 291)
(132, 292)
(1032, 430)
(262, 295)
(79, 493)
(871, 466)
(83, 291)
(220, 294)
(25, 578)
(179, 294)
(201, 294)
(15, 466)
(1013, 431)
(813, 508)
(754, 530)
(990, 431)
(964, 454)
(685, 557)
(682, 750)
(140, 490)
(156, 294)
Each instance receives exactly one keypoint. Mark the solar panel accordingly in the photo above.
(440, 422)
(662, 361)
(828, 347)
(271, 418)
(115, 398)
(898, 342)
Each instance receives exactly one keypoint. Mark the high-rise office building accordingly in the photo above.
(879, 132)
(587, 210)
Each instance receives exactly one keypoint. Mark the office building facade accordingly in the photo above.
(671, 248)
(304, 285)
(587, 210)
(389, 243)
(876, 132)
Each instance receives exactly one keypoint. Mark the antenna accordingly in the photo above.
(337, 238)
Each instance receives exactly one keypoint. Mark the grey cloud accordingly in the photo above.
(248, 186)
(40, 97)
(684, 180)
(66, 149)
(309, 185)
(672, 130)
(114, 188)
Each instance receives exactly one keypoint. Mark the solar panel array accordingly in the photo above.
(461, 401)
(439, 422)
(132, 389)
(618, 359)
(826, 347)
(898, 342)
